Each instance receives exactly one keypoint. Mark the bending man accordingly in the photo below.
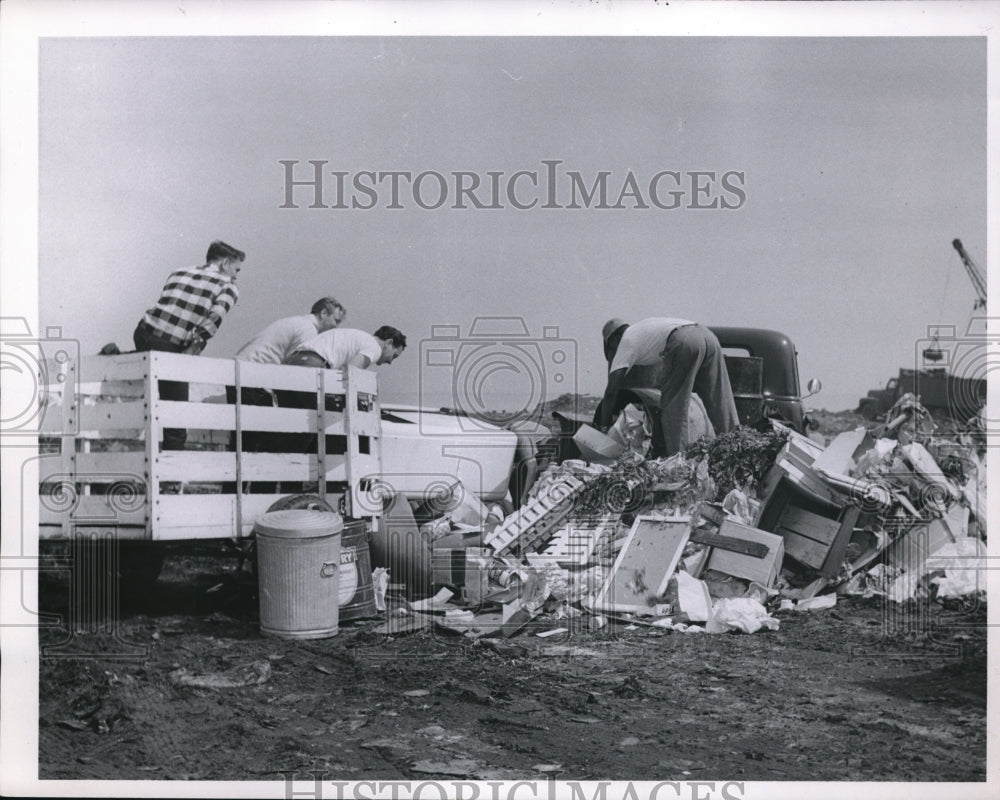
(691, 360)
(335, 349)
(280, 339)
(273, 345)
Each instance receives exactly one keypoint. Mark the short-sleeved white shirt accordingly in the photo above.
(343, 346)
(279, 340)
(642, 343)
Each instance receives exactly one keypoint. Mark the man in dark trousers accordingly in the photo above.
(689, 359)
(191, 307)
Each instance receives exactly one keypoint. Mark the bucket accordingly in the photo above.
(357, 597)
(298, 572)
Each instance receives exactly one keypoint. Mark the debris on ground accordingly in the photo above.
(251, 674)
(717, 538)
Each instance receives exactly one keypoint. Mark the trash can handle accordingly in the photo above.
(329, 569)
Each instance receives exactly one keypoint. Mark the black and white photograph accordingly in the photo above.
(496, 401)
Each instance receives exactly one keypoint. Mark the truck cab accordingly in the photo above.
(780, 394)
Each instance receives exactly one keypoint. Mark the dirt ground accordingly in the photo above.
(865, 691)
(860, 692)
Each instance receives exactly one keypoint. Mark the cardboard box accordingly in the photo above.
(595, 447)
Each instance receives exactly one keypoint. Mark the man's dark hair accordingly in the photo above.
(325, 303)
(217, 251)
(387, 333)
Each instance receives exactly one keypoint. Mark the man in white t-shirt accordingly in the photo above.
(337, 348)
(689, 359)
(272, 346)
(280, 339)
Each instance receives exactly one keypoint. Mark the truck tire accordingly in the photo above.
(297, 501)
(868, 410)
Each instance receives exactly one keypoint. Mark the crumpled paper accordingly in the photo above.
(742, 614)
(380, 584)
(964, 564)
(693, 597)
(739, 507)
(632, 430)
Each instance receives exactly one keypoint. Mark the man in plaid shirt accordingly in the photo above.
(189, 312)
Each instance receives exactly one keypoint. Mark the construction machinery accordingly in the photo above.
(957, 396)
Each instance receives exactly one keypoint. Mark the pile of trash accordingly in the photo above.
(715, 539)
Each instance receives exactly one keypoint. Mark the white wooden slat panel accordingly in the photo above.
(207, 467)
(133, 390)
(93, 510)
(366, 424)
(218, 416)
(111, 417)
(192, 369)
(363, 380)
(183, 518)
(221, 467)
(50, 416)
(128, 367)
(206, 516)
(293, 379)
(222, 371)
(97, 467)
(130, 532)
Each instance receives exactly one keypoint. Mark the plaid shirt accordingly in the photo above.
(194, 299)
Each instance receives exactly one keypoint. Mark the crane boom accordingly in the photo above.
(975, 274)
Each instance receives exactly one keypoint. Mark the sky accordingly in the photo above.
(855, 162)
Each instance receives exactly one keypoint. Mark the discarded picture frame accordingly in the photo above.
(645, 563)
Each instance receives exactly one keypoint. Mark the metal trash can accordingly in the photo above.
(298, 573)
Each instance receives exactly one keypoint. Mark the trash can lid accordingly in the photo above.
(299, 523)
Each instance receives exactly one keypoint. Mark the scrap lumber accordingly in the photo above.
(927, 469)
(841, 455)
(796, 461)
(735, 544)
(573, 545)
(532, 525)
(760, 569)
(407, 623)
(957, 521)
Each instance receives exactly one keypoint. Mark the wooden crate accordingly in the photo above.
(763, 570)
(816, 540)
(103, 464)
